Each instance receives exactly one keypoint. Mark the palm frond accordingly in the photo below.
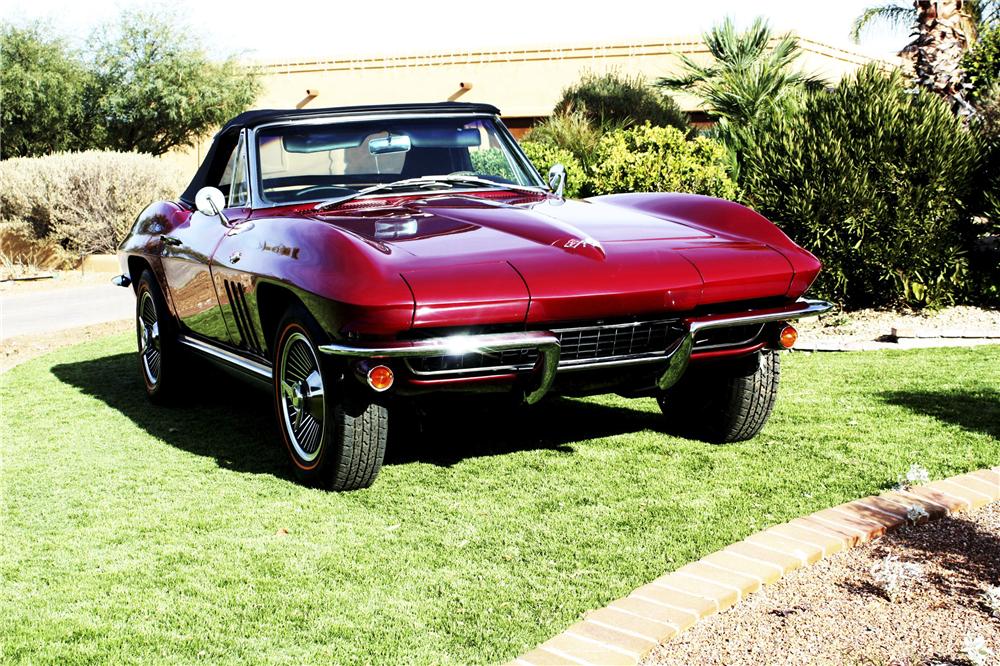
(977, 16)
(734, 48)
(893, 14)
(750, 71)
(694, 73)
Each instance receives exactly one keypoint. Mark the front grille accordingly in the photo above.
(579, 346)
(459, 362)
(603, 342)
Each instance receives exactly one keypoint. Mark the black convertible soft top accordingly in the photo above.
(263, 116)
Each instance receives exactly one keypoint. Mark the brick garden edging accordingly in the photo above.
(624, 631)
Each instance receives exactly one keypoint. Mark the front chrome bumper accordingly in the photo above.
(546, 343)
(545, 368)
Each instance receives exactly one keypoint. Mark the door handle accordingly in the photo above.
(239, 228)
(170, 240)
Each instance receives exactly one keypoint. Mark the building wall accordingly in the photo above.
(525, 84)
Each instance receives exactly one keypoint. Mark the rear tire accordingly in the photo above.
(331, 443)
(724, 401)
(160, 360)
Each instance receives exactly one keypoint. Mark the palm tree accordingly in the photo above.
(933, 58)
(750, 72)
(943, 30)
(976, 15)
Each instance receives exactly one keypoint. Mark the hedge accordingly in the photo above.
(82, 203)
(876, 180)
(660, 159)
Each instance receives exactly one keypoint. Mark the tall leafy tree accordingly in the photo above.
(42, 84)
(749, 72)
(155, 88)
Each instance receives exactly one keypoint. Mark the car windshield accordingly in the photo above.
(316, 162)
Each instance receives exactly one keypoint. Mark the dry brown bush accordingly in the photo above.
(81, 203)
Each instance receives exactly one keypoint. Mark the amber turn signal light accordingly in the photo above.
(380, 378)
(787, 336)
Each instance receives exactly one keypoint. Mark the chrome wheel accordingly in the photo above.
(302, 405)
(149, 338)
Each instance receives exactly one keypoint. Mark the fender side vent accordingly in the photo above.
(237, 297)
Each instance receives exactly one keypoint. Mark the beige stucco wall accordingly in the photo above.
(522, 83)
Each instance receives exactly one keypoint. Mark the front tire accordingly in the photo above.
(331, 443)
(156, 337)
(724, 401)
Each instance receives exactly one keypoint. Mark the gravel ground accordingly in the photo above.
(833, 613)
(870, 325)
(55, 280)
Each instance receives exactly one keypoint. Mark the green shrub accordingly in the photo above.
(660, 159)
(986, 125)
(573, 132)
(982, 62)
(985, 258)
(544, 155)
(83, 202)
(874, 179)
(491, 162)
(619, 100)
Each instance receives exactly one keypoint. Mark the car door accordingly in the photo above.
(188, 249)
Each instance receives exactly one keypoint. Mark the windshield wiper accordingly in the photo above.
(448, 181)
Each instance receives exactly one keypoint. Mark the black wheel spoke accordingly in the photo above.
(148, 332)
(301, 395)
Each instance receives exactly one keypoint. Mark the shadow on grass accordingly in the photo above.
(976, 411)
(222, 418)
(216, 417)
(475, 429)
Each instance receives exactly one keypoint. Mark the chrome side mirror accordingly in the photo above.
(210, 201)
(557, 179)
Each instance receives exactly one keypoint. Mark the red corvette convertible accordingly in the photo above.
(352, 259)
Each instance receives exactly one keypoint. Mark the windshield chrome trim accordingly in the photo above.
(362, 117)
(429, 193)
(481, 184)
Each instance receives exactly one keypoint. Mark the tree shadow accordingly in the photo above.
(976, 411)
(222, 418)
(217, 417)
(967, 555)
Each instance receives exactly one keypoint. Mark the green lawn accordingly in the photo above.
(133, 534)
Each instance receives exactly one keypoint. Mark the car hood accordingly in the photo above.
(539, 259)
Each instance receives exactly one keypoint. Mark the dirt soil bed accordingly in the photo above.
(17, 350)
(872, 325)
(834, 613)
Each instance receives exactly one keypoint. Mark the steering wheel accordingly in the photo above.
(316, 189)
